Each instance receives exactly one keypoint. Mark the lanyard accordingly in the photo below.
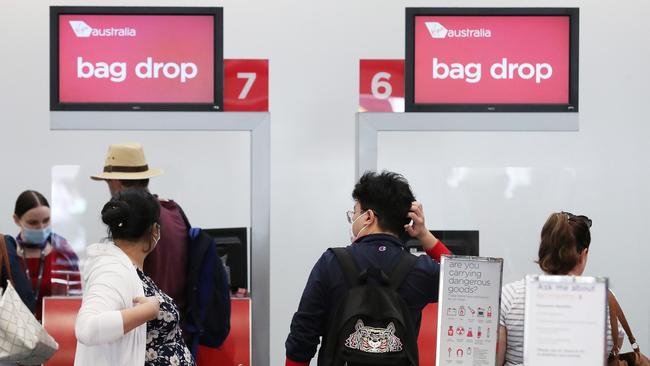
(41, 268)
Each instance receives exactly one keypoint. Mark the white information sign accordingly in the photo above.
(468, 310)
(565, 321)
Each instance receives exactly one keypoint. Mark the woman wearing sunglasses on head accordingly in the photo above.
(563, 250)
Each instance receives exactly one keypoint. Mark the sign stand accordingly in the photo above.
(565, 321)
(468, 310)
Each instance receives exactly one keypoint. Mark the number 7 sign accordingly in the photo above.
(246, 85)
(381, 86)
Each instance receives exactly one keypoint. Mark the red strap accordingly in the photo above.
(289, 362)
(437, 251)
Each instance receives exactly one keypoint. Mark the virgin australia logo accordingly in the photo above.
(436, 29)
(439, 31)
(82, 30)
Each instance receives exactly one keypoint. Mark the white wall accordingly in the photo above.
(314, 48)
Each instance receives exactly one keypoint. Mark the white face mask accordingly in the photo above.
(156, 239)
(352, 236)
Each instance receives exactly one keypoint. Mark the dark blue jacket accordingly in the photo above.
(326, 286)
(21, 283)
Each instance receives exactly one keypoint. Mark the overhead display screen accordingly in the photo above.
(153, 58)
(491, 59)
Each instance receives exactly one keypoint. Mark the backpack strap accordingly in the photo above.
(402, 269)
(348, 265)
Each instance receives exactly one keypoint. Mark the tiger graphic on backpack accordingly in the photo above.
(374, 340)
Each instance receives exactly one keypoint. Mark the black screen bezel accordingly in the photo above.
(571, 106)
(57, 105)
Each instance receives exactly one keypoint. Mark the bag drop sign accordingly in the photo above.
(130, 58)
(468, 310)
(117, 71)
(492, 59)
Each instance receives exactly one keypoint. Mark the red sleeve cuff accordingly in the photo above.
(289, 362)
(437, 251)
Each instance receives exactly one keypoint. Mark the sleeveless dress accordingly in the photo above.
(165, 344)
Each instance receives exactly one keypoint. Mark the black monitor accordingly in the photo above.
(136, 58)
(459, 242)
(491, 60)
(232, 247)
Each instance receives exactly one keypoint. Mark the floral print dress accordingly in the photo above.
(165, 345)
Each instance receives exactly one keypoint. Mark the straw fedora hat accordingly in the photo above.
(126, 162)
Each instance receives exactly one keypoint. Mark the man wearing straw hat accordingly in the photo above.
(126, 167)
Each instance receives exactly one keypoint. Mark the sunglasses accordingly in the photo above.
(572, 217)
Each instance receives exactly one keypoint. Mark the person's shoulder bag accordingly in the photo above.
(24, 340)
(634, 358)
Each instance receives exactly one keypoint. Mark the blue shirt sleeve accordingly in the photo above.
(421, 287)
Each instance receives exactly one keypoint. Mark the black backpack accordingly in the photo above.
(372, 324)
(207, 318)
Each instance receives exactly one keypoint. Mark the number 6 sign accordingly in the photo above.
(246, 85)
(381, 86)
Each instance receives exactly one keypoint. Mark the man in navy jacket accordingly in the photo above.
(384, 208)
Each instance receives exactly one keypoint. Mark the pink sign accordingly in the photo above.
(491, 59)
(136, 58)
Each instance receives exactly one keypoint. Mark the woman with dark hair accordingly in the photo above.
(125, 319)
(46, 258)
(563, 250)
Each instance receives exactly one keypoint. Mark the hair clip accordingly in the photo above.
(120, 224)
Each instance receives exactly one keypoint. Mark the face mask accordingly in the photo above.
(37, 237)
(155, 241)
(352, 236)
